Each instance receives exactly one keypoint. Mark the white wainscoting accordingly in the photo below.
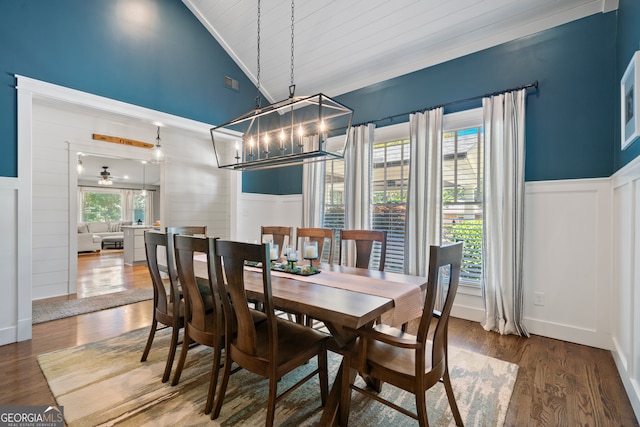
(255, 210)
(567, 259)
(625, 279)
(10, 313)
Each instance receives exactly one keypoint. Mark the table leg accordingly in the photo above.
(331, 408)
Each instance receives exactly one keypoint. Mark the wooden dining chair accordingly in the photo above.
(323, 236)
(409, 362)
(272, 348)
(364, 240)
(165, 311)
(188, 230)
(278, 233)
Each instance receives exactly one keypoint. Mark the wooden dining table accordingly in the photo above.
(342, 298)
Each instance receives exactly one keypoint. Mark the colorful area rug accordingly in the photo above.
(104, 383)
(61, 309)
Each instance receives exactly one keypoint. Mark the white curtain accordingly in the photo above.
(504, 132)
(312, 192)
(424, 191)
(127, 205)
(357, 186)
(148, 209)
(80, 208)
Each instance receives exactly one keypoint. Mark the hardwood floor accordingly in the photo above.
(558, 384)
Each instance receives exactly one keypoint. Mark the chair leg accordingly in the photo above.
(271, 404)
(223, 387)
(172, 353)
(152, 334)
(213, 382)
(183, 356)
(452, 399)
(421, 409)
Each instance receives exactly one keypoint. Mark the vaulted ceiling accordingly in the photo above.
(343, 45)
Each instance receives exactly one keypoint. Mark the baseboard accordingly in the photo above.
(568, 333)
(631, 386)
(473, 314)
(8, 335)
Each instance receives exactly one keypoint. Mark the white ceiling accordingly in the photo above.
(344, 45)
(123, 171)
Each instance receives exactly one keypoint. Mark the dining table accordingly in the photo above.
(344, 299)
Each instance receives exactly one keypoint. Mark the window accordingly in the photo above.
(389, 181)
(139, 207)
(462, 175)
(101, 206)
(462, 197)
(333, 217)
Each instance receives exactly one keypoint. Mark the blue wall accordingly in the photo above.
(166, 61)
(169, 62)
(628, 43)
(569, 119)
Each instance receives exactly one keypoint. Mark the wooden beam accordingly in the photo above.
(124, 141)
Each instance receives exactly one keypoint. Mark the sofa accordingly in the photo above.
(90, 234)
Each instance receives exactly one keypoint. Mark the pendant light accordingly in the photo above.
(293, 131)
(158, 152)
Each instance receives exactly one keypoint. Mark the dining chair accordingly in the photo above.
(364, 240)
(278, 234)
(323, 236)
(202, 325)
(410, 362)
(168, 308)
(188, 230)
(272, 348)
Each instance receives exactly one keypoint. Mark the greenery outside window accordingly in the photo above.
(101, 206)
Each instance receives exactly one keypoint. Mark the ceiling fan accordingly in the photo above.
(105, 177)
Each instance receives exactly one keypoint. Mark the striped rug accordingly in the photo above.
(104, 383)
(44, 312)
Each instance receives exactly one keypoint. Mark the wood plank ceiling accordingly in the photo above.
(343, 45)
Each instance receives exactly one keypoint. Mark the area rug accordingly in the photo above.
(104, 383)
(61, 309)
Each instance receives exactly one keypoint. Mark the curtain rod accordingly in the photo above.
(526, 86)
(114, 188)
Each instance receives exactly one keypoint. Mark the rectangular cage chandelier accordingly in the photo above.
(293, 131)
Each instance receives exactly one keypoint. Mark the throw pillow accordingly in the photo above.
(82, 228)
(114, 227)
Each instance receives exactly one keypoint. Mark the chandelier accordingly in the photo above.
(293, 131)
(105, 177)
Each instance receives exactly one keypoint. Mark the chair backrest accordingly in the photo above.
(364, 240)
(154, 243)
(185, 247)
(440, 257)
(229, 263)
(320, 235)
(188, 230)
(278, 233)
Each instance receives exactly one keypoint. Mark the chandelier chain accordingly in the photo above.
(258, 60)
(292, 21)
